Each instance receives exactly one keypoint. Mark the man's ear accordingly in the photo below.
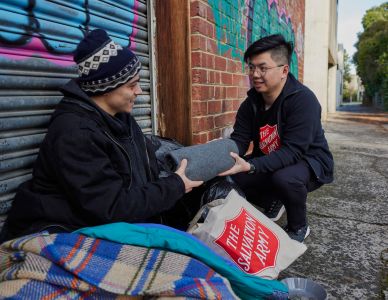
(286, 70)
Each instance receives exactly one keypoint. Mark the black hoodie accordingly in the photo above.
(92, 169)
(299, 128)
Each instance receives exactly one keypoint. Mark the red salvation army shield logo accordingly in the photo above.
(251, 245)
(269, 138)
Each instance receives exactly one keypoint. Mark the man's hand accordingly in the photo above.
(240, 166)
(189, 184)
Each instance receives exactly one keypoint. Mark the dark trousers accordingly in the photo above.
(184, 210)
(290, 185)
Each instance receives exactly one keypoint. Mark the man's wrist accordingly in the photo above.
(252, 169)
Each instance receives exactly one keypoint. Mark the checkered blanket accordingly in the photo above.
(246, 286)
(73, 266)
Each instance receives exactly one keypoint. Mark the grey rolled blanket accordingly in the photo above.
(205, 161)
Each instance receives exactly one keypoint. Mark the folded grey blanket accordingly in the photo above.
(205, 161)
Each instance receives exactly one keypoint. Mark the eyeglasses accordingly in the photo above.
(262, 70)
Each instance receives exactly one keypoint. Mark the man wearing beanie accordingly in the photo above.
(95, 166)
(282, 118)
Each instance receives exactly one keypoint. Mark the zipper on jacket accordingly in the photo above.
(279, 112)
(125, 151)
(148, 160)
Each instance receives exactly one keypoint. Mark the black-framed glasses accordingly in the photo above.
(262, 70)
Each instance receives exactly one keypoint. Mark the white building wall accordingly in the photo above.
(320, 48)
(340, 87)
(340, 75)
(332, 89)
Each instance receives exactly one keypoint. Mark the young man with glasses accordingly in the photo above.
(282, 118)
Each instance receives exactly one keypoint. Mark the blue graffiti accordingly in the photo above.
(61, 24)
(241, 22)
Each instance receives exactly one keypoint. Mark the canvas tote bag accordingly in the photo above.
(236, 230)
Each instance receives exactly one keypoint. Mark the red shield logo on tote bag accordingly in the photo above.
(249, 243)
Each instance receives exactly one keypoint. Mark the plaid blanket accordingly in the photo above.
(246, 286)
(73, 266)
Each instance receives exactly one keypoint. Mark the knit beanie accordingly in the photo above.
(103, 65)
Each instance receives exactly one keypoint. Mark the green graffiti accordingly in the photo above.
(238, 23)
(228, 22)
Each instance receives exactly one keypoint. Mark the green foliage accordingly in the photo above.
(346, 94)
(371, 58)
(385, 93)
(347, 77)
(349, 95)
(375, 14)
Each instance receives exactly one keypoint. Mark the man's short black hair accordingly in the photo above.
(278, 47)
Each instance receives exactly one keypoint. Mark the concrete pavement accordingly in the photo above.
(348, 245)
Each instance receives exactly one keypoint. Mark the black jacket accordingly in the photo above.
(299, 128)
(92, 169)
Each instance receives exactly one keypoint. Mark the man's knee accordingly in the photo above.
(286, 181)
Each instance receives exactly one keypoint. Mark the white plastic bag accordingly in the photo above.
(236, 230)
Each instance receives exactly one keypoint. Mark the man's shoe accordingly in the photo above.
(275, 211)
(300, 235)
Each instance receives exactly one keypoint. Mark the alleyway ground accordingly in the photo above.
(348, 245)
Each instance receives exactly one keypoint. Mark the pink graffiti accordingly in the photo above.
(245, 13)
(134, 29)
(35, 48)
(280, 10)
(269, 2)
(284, 13)
(297, 29)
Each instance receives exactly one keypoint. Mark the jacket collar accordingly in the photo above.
(75, 99)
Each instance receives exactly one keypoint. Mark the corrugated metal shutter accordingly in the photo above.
(37, 38)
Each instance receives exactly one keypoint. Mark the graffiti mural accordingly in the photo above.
(241, 22)
(51, 30)
(37, 39)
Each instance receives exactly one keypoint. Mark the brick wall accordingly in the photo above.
(296, 10)
(221, 30)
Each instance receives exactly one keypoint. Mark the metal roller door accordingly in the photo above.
(37, 38)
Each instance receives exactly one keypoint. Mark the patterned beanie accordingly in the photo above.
(103, 65)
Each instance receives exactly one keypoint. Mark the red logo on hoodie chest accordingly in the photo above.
(269, 139)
